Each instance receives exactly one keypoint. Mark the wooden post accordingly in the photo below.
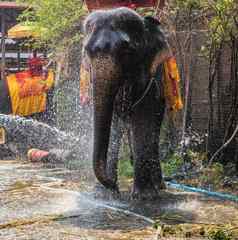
(18, 59)
(3, 46)
(161, 4)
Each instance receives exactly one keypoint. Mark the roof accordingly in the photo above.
(12, 11)
(11, 5)
(100, 4)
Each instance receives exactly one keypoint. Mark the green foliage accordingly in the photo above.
(188, 4)
(157, 224)
(125, 165)
(172, 165)
(54, 20)
(125, 168)
(219, 17)
(223, 24)
(196, 158)
(212, 175)
(219, 234)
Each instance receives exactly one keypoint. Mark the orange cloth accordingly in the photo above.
(171, 85)
(29, 94)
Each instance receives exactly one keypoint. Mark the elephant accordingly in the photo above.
(125, 52)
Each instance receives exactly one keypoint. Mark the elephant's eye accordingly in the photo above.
(89, 27)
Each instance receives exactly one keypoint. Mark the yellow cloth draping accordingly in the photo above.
(171, 81)
(29, 94)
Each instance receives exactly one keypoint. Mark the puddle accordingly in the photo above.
(32, 192)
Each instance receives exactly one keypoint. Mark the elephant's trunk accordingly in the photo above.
(105, 86)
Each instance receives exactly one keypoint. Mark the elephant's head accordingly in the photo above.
(120, 46)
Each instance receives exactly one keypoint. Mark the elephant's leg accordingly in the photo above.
(112, 156)
(146, 123)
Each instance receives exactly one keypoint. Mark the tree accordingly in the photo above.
(219, 19)
(59, 25)
(57, 21)
(223, 38)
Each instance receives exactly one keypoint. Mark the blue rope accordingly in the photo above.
(223, 196)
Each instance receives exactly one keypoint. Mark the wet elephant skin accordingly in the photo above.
(123, 50)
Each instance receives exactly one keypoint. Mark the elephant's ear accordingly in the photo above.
(152, 21)
(157, 46)
(162, 55)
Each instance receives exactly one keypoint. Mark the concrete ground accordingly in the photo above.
(55, 203)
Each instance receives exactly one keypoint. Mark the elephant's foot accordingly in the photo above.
(149, 193)
(144, 195)
(160, 186)
(100, 192)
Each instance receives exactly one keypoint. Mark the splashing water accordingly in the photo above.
(24, 134)
(43, 191)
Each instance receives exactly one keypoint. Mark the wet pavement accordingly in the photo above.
(37, 202)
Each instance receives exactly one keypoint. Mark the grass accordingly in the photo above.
(169, 167)
(172, 165)
(125, 165)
